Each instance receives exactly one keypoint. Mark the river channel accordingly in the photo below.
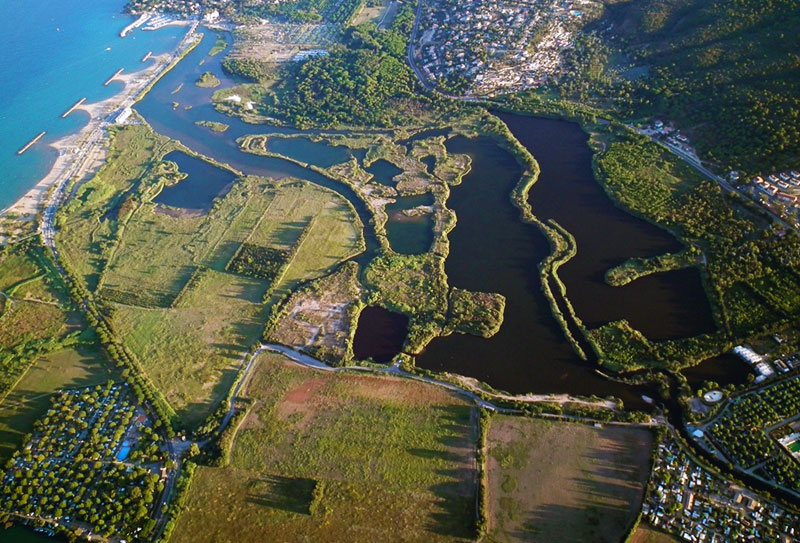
(491, 249)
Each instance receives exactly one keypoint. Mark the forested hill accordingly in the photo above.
(726, 70)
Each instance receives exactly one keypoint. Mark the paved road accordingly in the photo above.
(695, 163)
(309, 361)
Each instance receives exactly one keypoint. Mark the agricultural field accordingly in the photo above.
(77, 366)
(183, 312)
(192, 352)
(566, 482)
(85, 232)
(325, 456)
(193, 344)
(35, 316)
(646, 534)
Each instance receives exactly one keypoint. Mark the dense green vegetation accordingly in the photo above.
(634, 268)
(476, 313)
(219, 46)
(751, 269)
(260, 262)
(308, 11)
(213, 125)
(726, 71)
(740, 431)
(365, 82)
(66, 470)
(208, 81)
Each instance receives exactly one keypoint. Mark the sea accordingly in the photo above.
(57, 52)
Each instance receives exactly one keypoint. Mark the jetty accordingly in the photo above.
(31, 143)
(78, 104)
(110, 79)
(147, 56)
(135, 24)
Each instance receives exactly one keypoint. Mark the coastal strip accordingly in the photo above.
(113, 77)
(31, 143)
(84, 152)
(78, 104)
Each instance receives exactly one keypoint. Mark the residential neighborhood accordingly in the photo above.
(697, 506)
(492, 47)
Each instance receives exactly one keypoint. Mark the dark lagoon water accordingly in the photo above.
(383, 172)
(380, 334)
(662, 306)
(205, 182)
(430, 163)
(410, 234)
(491, 249)
(303, 149)
(725, 369)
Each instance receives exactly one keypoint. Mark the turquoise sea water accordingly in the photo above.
(56, 52)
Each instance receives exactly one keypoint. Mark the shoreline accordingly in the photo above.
(84, 152)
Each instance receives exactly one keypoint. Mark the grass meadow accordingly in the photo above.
(339, 457)
(567, 482)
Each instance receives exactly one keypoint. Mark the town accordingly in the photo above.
(491, 47)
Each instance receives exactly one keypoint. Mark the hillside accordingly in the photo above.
(725, 71)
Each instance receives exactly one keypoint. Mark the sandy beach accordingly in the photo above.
(80, 155)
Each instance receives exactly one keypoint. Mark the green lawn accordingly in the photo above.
(339, 457)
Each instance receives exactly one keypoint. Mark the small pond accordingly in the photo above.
(430, 163)
(383, 172)
(204, 183)
(410, 232)
(380, 334)
(725, 369)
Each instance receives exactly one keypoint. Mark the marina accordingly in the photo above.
(134, 25)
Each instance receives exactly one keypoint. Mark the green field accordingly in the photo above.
(30, 399)
(198, 319)
(566, 482)
(186, 319)
(339, 457)
(87, 226)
